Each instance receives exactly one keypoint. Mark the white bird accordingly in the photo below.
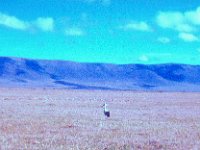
(106, 110)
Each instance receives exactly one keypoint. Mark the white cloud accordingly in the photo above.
(140, 26)
(164, 40)
(198, 49)
(188, 37)
(180, 21)
(193, 16)
(45, 24)
(169, 19)
(144, 58)
(154, 56)
(13, 22)
(74, 32)
(175, 21)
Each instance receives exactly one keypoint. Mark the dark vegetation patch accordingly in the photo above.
(79, 86)
(3, 62)
(34, 66)
(147, 86)
(170, 72)
(19, 72)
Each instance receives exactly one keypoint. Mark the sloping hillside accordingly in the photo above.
(64, 74)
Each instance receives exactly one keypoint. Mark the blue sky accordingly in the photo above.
(111, 31)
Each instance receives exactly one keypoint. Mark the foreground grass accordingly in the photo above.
(74, 120)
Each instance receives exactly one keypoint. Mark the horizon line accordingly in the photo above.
(85, 62)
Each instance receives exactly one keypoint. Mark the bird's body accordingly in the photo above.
(106, 110)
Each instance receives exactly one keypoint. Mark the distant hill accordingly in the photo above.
(17, 72)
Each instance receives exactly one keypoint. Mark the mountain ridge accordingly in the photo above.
(22, 72)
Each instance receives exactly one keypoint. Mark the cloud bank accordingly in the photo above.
(188, 37)
(139, 26)
(74, 32)
(13, 22)
(185, 23)
(44, 24)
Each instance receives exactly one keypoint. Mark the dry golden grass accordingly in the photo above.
(69, 119)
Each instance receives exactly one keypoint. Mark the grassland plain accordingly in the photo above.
(56, 119)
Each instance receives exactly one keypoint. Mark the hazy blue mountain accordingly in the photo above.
(17, 72)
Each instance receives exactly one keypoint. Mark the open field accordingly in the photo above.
(73, 119)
